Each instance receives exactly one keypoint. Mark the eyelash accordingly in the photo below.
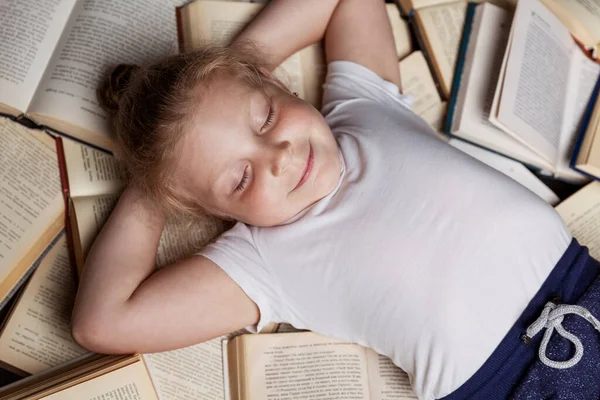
(242, 185)
(270, 118)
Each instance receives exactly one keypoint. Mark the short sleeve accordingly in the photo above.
(347, 81)
(235, 253)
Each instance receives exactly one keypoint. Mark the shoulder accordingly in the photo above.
(348, 81)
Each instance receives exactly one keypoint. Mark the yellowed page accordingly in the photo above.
(37, 334)
(417, 81)
(387, 381)
(443, 26)
(30, 192)
(299, 365)
(29, 32)
(194, 372)
(91, 172)
(581, 17)
(400, 30)
(128, 383)
(581, 213)
(99, 35)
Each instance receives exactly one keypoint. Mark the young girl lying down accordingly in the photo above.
(354, 222)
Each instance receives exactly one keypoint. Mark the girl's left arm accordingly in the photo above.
(285, 26)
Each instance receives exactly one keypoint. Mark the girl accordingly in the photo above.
(353, 222)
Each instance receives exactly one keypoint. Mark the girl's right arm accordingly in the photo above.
(123, 306)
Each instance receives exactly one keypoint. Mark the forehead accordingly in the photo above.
(224, 113)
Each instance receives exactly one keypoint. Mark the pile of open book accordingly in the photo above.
(514, 82)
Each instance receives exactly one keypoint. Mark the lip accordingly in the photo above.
(308, 169)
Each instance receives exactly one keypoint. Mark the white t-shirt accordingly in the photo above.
(421, 252)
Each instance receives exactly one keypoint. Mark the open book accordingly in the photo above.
(31, 202)
(36, 334)
(581, 213)
(53, 55)
(416, 80)
(544, 85)
(219, 21)
(306, 365)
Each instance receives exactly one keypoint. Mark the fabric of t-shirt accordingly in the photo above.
(421, 252)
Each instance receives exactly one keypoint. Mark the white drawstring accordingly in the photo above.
(551, 318)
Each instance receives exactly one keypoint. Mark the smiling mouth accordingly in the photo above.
(307, 170)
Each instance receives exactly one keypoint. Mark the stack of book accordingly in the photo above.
(473, 74)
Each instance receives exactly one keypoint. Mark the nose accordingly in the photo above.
(281, 157)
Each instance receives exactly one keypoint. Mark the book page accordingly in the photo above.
(387, 381)
(443, 25)
(581, 17)
(31, 198)
(127, 383)
(535, 85)
(99, 35)
(91, 172)
(29, 31)
(299, 365)
(191, 373)
(581, 213)
(582, 80)
(416, 81)
(37, 334)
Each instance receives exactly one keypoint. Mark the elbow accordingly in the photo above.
(97, 335)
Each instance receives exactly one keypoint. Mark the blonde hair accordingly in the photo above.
(151, 108)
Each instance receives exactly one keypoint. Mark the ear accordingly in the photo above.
(274, 79)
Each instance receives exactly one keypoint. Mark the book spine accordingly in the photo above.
(583, 128)
(460, 63)
(180, 38)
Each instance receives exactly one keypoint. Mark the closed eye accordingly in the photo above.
(270, 119)
(243, 182)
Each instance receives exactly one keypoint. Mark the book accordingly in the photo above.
(53, 56)
(416, 80)
(510, 168)
(581, 18)
(544, 85)
(309, 365)
(31, 203)
(36, 335)
(478, 67)
(408, 6)
(586, 156)
(581, 213)
(303, 72)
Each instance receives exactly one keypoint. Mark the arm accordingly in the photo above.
(285, 26)
(360, 31)
(123, 306)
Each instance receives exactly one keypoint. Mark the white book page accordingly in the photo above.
(581, 213)
(510, 168)
(37, 335)
(91, 172)
(582, 81)
(536, 81)
(30, 193)
(29, 31)
(387, 381)
(194, 372)
(99, 35)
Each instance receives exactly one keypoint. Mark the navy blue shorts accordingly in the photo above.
(514, 369)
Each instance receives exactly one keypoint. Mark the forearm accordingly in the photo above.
(122, 257)
(286, 26)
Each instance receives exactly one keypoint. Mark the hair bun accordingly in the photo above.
(111, 91)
